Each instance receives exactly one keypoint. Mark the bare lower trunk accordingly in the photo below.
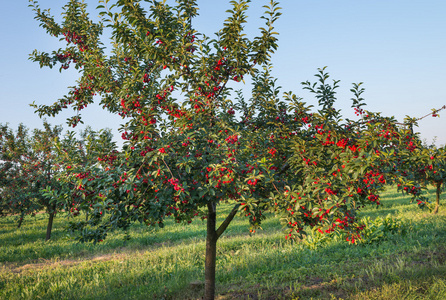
(22, 215)
(52, 212)
(211, 246)
(20, 222)
(437, 202)
(211, 253)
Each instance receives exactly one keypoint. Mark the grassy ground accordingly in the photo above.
(407, 263)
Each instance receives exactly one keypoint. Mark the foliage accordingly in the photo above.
(423, 165)
(14, 149)
(84, 159)
(28, 164)
(374, 231)
(380, 228)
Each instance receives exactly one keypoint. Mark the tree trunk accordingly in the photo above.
(20, 222)
(22, 215)
(211, 247)
(52, 212)
(211, 253)
(437, 202)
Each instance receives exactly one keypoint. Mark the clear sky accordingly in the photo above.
(397, 48)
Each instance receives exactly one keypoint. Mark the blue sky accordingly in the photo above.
(397, 48)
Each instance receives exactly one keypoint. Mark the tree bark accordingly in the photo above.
(22, 215)
(20, 222)
(228, 220)
(52, 212)
(211, 253)
(437, 202)
(211, 247)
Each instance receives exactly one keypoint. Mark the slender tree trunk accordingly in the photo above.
(52, 212)
(211, 253)
(211, 246)
(20, 222)
(437, 202)
(22, 215)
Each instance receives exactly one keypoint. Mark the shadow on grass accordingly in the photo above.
(262, 266)
(26, 245)
(259, 266)
(290, 275)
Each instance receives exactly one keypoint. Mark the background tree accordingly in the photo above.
(84, 159)
(28, 166)
(16, 155)
(421, 166)
(45, 167)
(435, 171)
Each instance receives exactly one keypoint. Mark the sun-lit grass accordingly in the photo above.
(168, 263)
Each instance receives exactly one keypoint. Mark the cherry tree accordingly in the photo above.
(27, 167)
(14, 149)
(420, 166)
(83, 158)
(193, 142)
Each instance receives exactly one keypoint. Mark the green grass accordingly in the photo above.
(168, 263)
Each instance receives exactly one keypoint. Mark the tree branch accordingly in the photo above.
(285, 167)
(228, 220)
